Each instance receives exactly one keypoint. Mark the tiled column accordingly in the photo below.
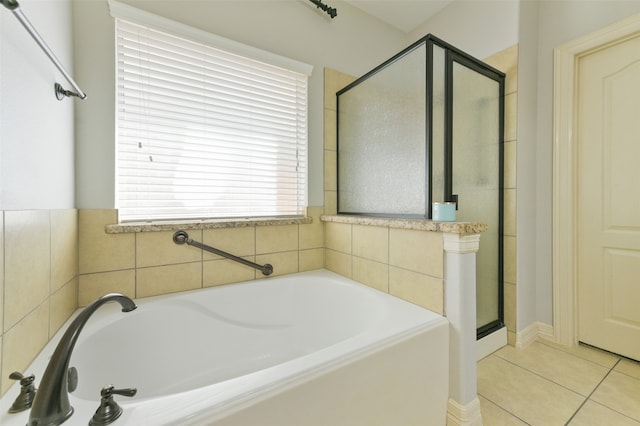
(460, 308)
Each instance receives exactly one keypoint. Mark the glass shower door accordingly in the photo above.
(475, 165)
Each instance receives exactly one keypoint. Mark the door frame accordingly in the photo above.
(565, 286)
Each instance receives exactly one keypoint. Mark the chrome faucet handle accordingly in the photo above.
(109, 410)
(107, 391)
(27, 392)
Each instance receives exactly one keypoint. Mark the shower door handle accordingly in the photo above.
(454, 199)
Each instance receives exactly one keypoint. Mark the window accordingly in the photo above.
(204, 132)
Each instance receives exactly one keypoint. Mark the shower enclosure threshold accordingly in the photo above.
(491, 342)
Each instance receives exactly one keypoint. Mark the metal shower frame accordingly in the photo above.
(452, 54)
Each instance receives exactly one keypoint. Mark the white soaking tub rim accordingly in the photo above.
(213, 404)
(289, 319)
(220, 399)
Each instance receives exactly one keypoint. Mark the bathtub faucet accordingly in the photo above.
(51, 405)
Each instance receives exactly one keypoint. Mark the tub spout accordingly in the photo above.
(51, 405)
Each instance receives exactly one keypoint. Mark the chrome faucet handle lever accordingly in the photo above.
(24, 380)
(109, 410)
(109, 390)
(27, 392)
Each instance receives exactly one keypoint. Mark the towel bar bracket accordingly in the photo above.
(61, 93)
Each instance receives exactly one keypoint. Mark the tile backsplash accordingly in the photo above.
(142, 264)
(406, 263)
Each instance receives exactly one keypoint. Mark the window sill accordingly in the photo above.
(129, 227)
(462, 228)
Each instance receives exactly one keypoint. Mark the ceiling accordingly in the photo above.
(405, 15)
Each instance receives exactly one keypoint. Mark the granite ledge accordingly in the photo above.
(129, 227)
(461, 228)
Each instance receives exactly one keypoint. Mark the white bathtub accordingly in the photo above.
(304, 349)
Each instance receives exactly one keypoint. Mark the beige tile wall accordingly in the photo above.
(405, 263)
(146, 264)
(507, 62)
(38, 283)
(333, 81)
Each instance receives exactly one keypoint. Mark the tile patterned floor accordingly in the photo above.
(547, 384)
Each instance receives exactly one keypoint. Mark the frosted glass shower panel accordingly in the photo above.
(476, 169)
(382, 133)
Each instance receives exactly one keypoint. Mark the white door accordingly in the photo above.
(608, 198)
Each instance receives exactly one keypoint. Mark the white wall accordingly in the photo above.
(559, 22)
(527, 228)
(352, 43)
(36, 130)
(480, 28)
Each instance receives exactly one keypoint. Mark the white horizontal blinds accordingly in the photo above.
(203, 133)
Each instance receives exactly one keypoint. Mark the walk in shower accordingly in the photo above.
(427, 126)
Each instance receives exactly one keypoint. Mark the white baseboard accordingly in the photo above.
(491, 343)
(545, 331)
(464, 415)
(530, 334)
